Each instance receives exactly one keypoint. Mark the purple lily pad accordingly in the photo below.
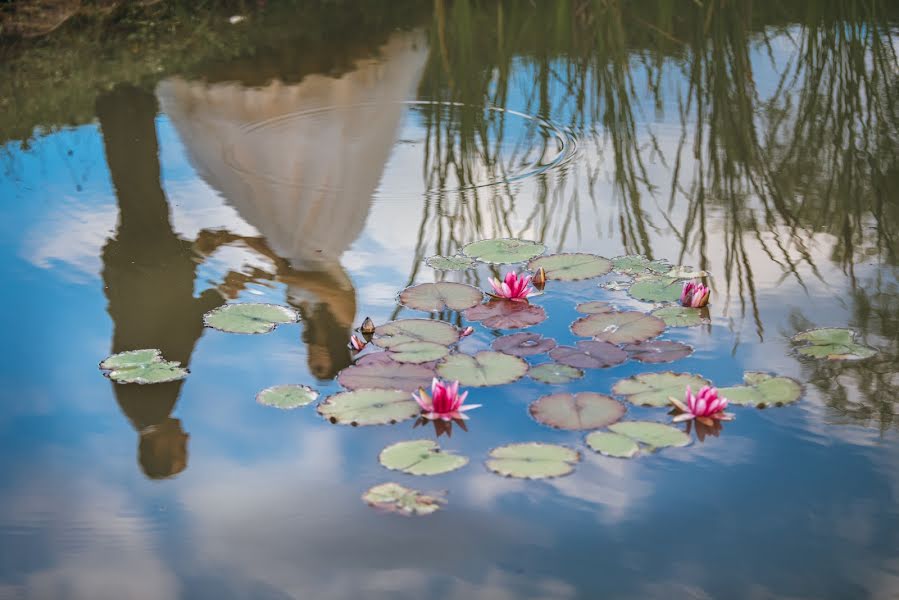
(523, 344)
(589, 355)
(433, 297)
(595, 307)
(391, 376)
(385, 358)
(505, 314)
(585, 410)
(658, 351)
(625, 327)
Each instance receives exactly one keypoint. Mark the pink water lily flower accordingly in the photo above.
(706, 406)
(695, 295)
(445, 401)
(514, 287)
(467, 331)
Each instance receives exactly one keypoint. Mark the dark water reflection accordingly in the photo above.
(754, 141)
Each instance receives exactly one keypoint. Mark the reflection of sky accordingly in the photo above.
(783, 504)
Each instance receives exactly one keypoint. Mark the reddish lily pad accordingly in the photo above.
(680, 316)
(433, 297)
(523, 344)
(762, 390)
(503, 251)
(533, 460)
(554, 373)
(653, 389)
(404, 331)
(657, 289)
(584, 410)
(391, 376)
(505, 314)
(625, 327)
(571, 267)
(595, 307)
(658, 351)
(369, 407)
(482, 369)
(589, 355)
(393, 497)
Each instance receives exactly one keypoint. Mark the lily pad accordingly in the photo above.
(762, 389)
(554, 373)
(418, 352)
(249, 317)
(433, 297)
(394, 497)
(584, 410)
(589, 355)
(390, 376)
(685, 272)
(287, 396)
(523, 344)
(450, 263)
(832, 343)
(155, 372)
(612, 444)
(637, 264)
(625, 327)
(132, 358)
(658, 351)
(369, 407)
(403, 331)
(595, 307)
(533, 460)
(657, 289)
(653, 389)
(654, 435)
(617, 285)
(420, 457)
(571, 267)
(503, 251)
(482, 369)
(679, 316)
(505, 314)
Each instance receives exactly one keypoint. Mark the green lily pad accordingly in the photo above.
(420, 457)
(394, 497)
(482, 369)
(625, 327)
(404, 331)
(369, 407)
(612, 444)
(653, 389)
(503, 251)
(637, 264)
(155, 372)
(390, 376)
(589, 355)
(533, 460)
(832, 343)
(654, 435)
(762, 389)
(132, 358)
(287, 397)
(584, 410)
(571, 267)
(450, 263)
(657, 289)
(505, 314)
(554, 373)
(679, 316)
(249, 317)
(658, 351)
(418, 352)
(433, 297)
(523, 344)
(595, 308)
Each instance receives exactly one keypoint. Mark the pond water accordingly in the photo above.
(315, 158)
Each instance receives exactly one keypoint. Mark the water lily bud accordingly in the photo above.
(368, 326)
(539, 280)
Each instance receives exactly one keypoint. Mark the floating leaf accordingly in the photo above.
(554, 373)
(404, 331)
(832, 343)
(762, 389)
(503, 251)
(369, 407)
(653, 389)
(584, 410)
(625, 327)
(505, 314)
(658, 351)
(433, 297)
(636, 264)
(420, 457)
(523, 344)
(679, 316)
(654, 435)
(589, 355)
(394, 497)
(132, 358)
(482, 369)
(571, 267)
(657, 289)
(612, 444)
(390, 376)
(684, 272)
(418, 352)
(249, 317)
(617, 285)
(533, 460)
(287, 396)
(595, 308)
(457, 262)
(155, 372)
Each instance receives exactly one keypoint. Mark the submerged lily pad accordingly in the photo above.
(420, 457)
(523, 344)
(612, 444)
(369, 407)
(679, 316)
(505, 314)
(657, 289)
(654, 435)
(155, 372)
(287, 397)
(450, 263)
(433, 297)
(404, 331)
(503, 251)
(249, 317)
(762, 389)
(625, 327)
(832, 343)
(482, 369)
(589, 355)
(571, 267)
(132, 358)
(390, 376)
(685, 272)
(637, 264)
(595, 307)
(418, 352)
(653, 389)
(584, 410)
(533, 460)
(658, 351)
(554, 373)
(394, 497)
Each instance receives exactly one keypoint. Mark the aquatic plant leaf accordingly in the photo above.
(287, 397)
(762, 389)
(433, 297)
(617, 285)
(657, 289)
(523, 344)
(685, 272)
(637, 264)
(653, 389)
(457, 262)
(589, 355)
(832, 343)
(679, 316)
(571, 267)
(505, 314)
(418, 352)
(503, 251)
(482, 369)
(420, 457)
(654, 435)
(595, 307)
(390, 376)
(625, 327)
(658, 351)
(532, 460)
(132, 358)
(826, 336)
(612, 444)
(394, 497)
(404, 331)
(584, 410)
(554, 373)
(369, 407)
(155, 372)
(249, 317)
